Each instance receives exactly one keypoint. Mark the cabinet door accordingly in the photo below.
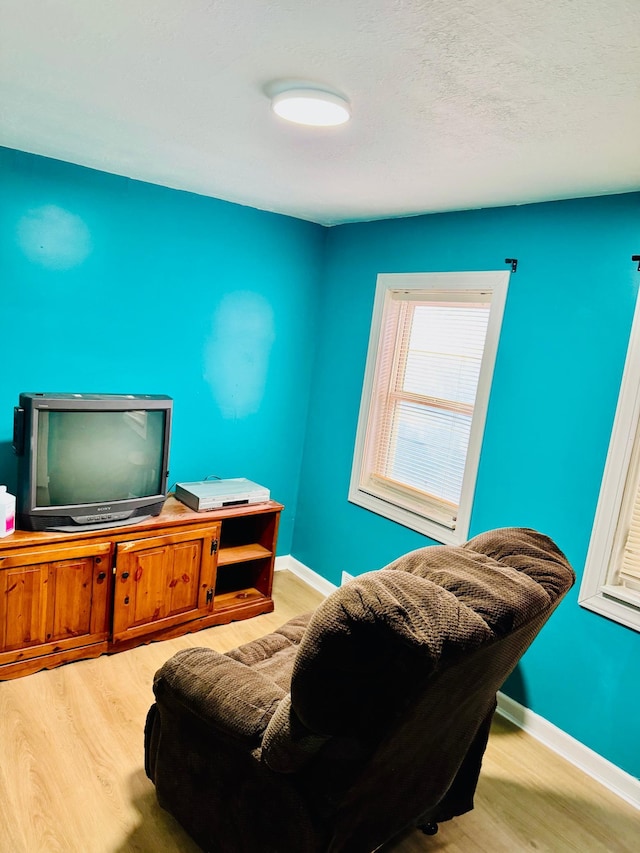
(53, 600)
(164, 581)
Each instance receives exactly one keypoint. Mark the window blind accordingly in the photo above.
(629, 571)
(424, 391)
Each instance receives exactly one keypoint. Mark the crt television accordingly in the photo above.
(89, 461)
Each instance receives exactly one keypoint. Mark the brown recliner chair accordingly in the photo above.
(360, 720)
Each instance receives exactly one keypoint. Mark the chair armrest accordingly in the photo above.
(222, 692)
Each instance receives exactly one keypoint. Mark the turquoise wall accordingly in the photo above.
(108, 284)
(551, 410)
(112, 285)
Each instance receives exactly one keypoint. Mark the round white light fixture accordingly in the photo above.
(312, 107)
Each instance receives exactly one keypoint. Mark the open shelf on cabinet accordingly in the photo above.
(242, 553)
(238, 598)
(236, 577)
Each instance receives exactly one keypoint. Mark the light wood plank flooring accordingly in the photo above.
(72, 777)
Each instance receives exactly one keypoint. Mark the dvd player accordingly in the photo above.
(220, 494)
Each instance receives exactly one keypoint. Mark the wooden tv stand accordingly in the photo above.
(66, 596)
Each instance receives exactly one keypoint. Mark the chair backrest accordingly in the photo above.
(399, 668)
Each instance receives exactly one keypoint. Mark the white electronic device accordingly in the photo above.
(219, 494)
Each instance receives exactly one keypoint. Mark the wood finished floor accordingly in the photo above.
(72, 777)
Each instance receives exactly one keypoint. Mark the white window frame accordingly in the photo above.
(599, 591)
(494, 282)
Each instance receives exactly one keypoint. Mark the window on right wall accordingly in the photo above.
(611, 581)
(432, 349)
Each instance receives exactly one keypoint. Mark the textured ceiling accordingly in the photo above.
(456, 103)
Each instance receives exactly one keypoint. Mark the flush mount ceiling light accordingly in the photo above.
(312, 107)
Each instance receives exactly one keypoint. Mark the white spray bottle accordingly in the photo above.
(7, 512)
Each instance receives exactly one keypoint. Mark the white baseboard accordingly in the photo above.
(610, 775)
(306, 574)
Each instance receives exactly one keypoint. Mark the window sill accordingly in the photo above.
(612, 603)
(426, 526)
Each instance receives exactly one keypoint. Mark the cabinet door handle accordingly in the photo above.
(102, 576)
(125, 575)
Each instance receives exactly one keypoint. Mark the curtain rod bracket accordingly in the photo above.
(636, 258)
(513, 262)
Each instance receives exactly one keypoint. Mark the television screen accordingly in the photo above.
(86, 457)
